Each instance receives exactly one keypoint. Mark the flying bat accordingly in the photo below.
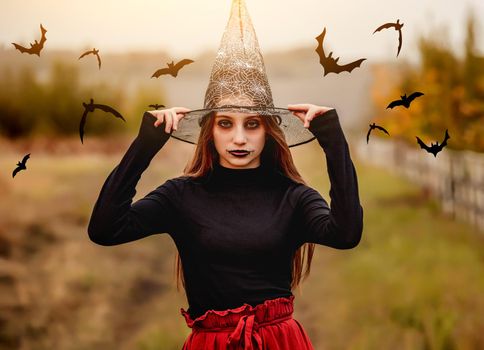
(90, 107)
(172, 68)
(94, 52)
(329, 63)
(36, 47)
(434, 148)
(398, 26)
(405, 101)
(156, 106)
(21, 165)
(374, 126)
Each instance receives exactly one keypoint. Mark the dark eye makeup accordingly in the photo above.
(251, 124)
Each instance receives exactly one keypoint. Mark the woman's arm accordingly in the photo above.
(114, 220)
(339, 226)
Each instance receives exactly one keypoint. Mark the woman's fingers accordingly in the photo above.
(180, 113)
(299, 106)
(159, 115)
(306, 121)
(313, 112)
(170, 115)
(301, 111)
(306, 112)
(299, 115)
(181, 109)
(308, 118)
(175, 122)
(178, 117)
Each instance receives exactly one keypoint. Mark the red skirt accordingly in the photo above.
(267, 326)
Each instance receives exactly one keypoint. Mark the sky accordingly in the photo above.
(185, 28)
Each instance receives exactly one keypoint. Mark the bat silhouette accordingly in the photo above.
(90, 107)
(156, 106)
(36, 47)
(172, 68)
(374, 126)
(21, 165)
(398, 27)
(405, 101)
(94, 52)
(434, 148)
(329, 63)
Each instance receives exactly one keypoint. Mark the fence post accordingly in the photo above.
(455, 178)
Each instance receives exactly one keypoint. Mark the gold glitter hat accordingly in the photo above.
(238, 83)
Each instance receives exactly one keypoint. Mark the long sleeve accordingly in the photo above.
(339, 226)
(114, 219)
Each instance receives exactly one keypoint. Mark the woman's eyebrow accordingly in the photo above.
(227, 116)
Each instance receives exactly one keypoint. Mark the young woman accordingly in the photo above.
(241, 218)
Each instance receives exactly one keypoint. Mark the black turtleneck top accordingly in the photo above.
(236, 230)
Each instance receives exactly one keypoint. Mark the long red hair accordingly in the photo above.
(276, 154)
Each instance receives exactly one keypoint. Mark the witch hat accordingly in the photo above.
(238, 83)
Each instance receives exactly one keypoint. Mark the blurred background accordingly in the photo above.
(416, 281)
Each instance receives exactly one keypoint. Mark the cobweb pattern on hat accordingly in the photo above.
(238, 73)
(238, 83)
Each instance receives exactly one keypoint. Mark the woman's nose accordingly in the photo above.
(239, 136)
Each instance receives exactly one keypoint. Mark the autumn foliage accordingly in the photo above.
(454, 95)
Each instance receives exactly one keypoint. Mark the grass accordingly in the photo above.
(415, 281)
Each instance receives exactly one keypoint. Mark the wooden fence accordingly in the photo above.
(455, 178)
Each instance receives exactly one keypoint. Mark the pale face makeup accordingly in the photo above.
(239, 139)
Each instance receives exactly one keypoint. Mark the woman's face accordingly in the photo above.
(244, 132)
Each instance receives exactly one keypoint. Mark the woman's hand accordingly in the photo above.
(171, 115)
(307, 112)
